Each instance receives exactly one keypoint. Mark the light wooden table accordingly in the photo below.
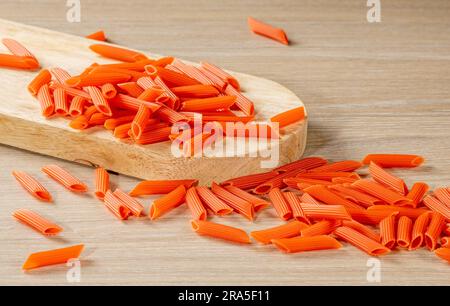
(368, 87)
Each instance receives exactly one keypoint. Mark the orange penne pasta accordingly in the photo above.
(117, 53)
(385, 178)
(275, 182)
(82, 122)
(323, 227)
(305, 164)
(343, 180)
(116, 206)
(112, 123)
(437, 225)
(46, 101)
(224, 102)
(37, 222)
(249, 181)
(404, 231)
(341, 166)
(330, 212)
(135, 66)
(306, 198)
(388, 231)
(221, 74)
(71, 91)
(443, 253)
(371, 217)
(394, 160)
(323, 194)
(140, 121)
(52, 257)
(32, 186)
(17, 48)
(42, 78)
(109, 91)
(296, 207)
(18, 62)
(97, 79)
(220, 231)
(60, 75)
(445, 242)
(241, 206)
(168, 202)
(195, 205)
(417, 193)
(266, 30)
(213, 202)
(242, 102)
(303, 244)
(77, 106)
(366, 231)
(192, 72)
(101, 183)
(379, 191)
(173, 78)
(289, 117)
(155, 136)
(361, 198)
(130, 103)
(99, 101)
(258, 203)
(327, 176)
(280, 204)
(418, 231)
(288, 230)
(61, 104)
(98, 119)
(412, 213)
(99, 35)
(443, 195)
(131, 204)
(131, 88)
(64, 178)
(160, 187)
(196, 91)
(361, 241)
(151, 94)
(434, 204)
(170, 116)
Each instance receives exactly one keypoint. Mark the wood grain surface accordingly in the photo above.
(368, 87)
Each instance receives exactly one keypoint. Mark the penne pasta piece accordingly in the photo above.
(289, 117)
(327, 212)
(52, 257)
(296, 207)
(242, 102)
(160, 187)
(97, 79)
(361, 198)
(385, 178)
(267, 30)
(219, 83)
(276, 182)
(133, 104)
(155, 136)
(74, 92)
(116, 206)
(445, 242)
(135, 66)
(323, 227)
(77, 106)
(131, 89)
(32, 186)
(305, 164)
(170, 99)
(64, 178)
(61, 104)
(388, 230)
(241, 206)
(37, 222)
(443, 253)
(216, 103)
(213, 202)
(288, 230)
(249, 181)
(412, 213)
(164, 61)
(101, 182)
(341, 166)
(151, 94)
(280, 204)
(304, 244)
(361, 228)
(394, 160)
(82, 122)
(122, 131)
(99, 35)
(418, 231)
(18, 62)
(98, 119)
(170, 116)
(131, 204)
(220, 231)
(221, 74)
(325, 195)
(327, 176)
(404, 231)
(109, 91)
(192, 72)
(46, 101)
(379, 191)
(417, 193)
(306, 198)
(435, 228)
(195, 205)
(112, 123)
(195, 91)
(370, 217)
(42, 78)
(60, 75)
(258, 203)
(168, 202)
(173, 78)
(99, 101)
(361, 241)
(443, 195)
(117, 53)
(434, 204)
(140, 121)
(17, 48)
(343, 180)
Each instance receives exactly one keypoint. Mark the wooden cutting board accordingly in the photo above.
(22, 126)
